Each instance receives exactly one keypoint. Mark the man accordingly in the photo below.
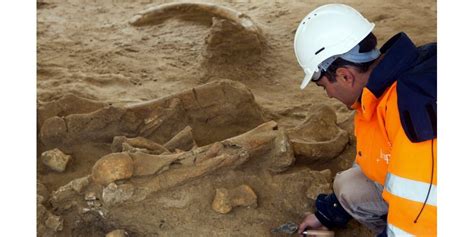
(391, 188)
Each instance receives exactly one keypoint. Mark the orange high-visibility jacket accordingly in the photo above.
(388, 156)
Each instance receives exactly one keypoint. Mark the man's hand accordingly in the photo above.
(310, 221)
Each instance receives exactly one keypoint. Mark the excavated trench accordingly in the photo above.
(185, 119)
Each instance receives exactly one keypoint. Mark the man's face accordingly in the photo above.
(343, 89)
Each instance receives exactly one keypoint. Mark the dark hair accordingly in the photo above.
(366, 45)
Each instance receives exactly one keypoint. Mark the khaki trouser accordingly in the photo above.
(361, 198)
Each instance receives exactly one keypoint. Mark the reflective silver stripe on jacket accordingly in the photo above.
(395, 231)
(410, 189)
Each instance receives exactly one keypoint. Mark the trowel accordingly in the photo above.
(291, 228)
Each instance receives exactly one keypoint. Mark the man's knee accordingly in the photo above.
(359, 196)
(344, 182)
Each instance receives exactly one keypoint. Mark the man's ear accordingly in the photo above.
(345, 75)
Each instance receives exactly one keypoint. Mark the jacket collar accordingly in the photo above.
(399, 54)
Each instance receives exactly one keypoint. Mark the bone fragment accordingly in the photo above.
(183, 140)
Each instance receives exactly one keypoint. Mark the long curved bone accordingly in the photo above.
(161, 12)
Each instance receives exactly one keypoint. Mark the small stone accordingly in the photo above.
(54, 222)
(282, 156)
(55, 159)
(244, 196)
(222, 202)
(112, 167)
(117, 233)
(115, 194)
(225, 199)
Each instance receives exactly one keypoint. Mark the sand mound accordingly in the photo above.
(233, 44)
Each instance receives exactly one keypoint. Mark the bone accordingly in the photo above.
(66, 105)
(185, 174)
(229, 154)
(282, 155)
(157, 14)
(216, 111)
(257, 137)
(147, 164)
(183, 140)
(318, 137)
(171, 170)
(137, 142)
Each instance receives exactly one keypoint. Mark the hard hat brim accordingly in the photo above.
(307, 78)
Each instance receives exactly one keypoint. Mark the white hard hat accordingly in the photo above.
(327, 33)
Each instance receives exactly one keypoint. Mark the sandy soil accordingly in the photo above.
(88, 49)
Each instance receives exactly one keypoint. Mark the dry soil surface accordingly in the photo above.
(88, 49)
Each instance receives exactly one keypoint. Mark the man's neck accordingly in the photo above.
(364, 77)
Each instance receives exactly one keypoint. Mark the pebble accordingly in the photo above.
(55, 159)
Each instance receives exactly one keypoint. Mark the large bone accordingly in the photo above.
(265, 144)
(215, 111)
(147, 164)
(66, 105)
(162, 12)
(227, 154)
(318, 137)
(251, 143)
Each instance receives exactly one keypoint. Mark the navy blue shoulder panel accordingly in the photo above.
(415, 71)
(417, 93)
(399, 55)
